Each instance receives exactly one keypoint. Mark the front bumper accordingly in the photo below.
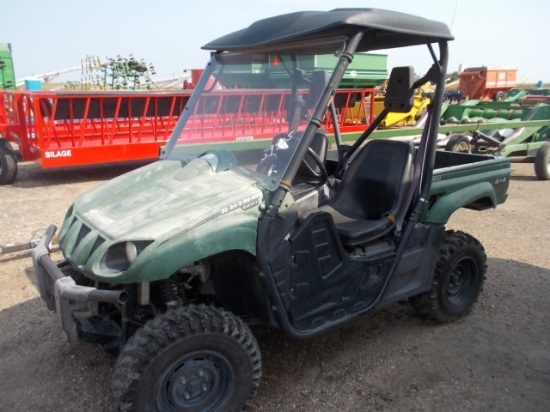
(70, 301)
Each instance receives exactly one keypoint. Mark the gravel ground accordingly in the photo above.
(496, 359)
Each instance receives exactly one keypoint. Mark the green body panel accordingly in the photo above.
(232, 232)
(449, 203)
(458, 186)
(187, 211)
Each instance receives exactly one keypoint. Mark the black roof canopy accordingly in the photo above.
(384, 29)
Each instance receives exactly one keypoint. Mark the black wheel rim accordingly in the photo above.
(462, 281)
(198, 382)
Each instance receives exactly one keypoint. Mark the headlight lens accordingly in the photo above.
(131, 251)
(120, 256)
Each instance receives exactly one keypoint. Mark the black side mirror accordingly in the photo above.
(400, 91)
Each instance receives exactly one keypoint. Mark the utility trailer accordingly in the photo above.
(59, 129)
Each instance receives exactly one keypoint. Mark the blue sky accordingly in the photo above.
(57, 34)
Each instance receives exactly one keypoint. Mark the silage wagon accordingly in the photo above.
(60, 129)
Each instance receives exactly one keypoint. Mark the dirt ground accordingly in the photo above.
(496, 359)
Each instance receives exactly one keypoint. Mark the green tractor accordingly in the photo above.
(170, 265)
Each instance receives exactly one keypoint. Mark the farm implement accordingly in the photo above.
(487, 83)
(518, 130)
(59, 129)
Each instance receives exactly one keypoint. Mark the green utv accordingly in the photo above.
(169, 264)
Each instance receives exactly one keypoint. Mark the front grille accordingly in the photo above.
(82, 233)
(98, 242)
(79, 242)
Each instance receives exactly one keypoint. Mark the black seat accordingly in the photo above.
(372, 192)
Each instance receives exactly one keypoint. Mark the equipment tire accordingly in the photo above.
(499, 96)
(458, 142)
(8, 165)
(458, 279)
(542, 162)
(194, 358)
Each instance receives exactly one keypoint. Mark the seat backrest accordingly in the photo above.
(376, 181)
(309, 170)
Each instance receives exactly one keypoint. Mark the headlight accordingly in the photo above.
(120, 256)
(131, 251)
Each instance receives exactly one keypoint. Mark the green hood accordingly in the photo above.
(161, 198)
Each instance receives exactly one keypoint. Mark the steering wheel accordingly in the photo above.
(322, 173)
(273, 163)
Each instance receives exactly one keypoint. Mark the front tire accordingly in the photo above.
(195, 358)
(542, 162)
(458, 279)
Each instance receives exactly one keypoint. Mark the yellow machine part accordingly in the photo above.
(360, 112)
(421, 102)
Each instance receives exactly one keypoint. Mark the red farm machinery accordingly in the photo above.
(486, 83)
(59, 129)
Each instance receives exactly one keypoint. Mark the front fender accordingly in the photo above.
(447, 204)
(233, 232)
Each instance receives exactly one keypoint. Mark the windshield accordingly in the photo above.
(255, 105)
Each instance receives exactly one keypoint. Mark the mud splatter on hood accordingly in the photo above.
(163, 198)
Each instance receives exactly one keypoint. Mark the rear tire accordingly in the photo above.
(194, 358)
(542, 162)
(458, 279)
(458, 143)
(8, 165)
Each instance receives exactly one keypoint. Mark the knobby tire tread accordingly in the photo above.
(166, 329)
(428, 304)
